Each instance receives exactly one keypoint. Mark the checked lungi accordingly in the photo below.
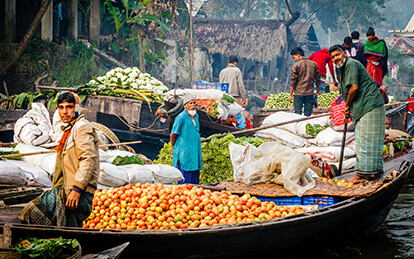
(369, 141)
(49, 209)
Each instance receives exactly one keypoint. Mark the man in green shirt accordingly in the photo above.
(365, 105)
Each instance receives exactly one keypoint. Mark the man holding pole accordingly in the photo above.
(365, 104)
(75, 178)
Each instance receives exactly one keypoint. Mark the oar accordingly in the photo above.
(341, 157)
(54, 151)
(264, 127)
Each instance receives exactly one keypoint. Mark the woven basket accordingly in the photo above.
(106, 131)
(77, 255)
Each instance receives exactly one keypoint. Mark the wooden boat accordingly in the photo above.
(351, 219)
(129, 119)
(397, 112)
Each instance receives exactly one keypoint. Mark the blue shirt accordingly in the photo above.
(187, 148)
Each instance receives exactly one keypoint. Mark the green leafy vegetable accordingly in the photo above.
(119, 160)
(47, 248)
(216, 157)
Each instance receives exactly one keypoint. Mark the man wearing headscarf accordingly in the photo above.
(376, 53)
(75, 178)
(186, 143)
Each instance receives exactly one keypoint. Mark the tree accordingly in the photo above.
(29, 34)
(137, 24)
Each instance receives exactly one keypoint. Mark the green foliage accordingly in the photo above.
(126, 160)
(216, 157)
(74, 64)
(405, 75)
(48, 248)
(133, 19)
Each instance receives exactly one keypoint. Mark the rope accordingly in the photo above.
(139, 128)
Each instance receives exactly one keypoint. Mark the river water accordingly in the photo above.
(395, 239)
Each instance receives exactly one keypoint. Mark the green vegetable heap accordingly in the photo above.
(126, 160)
(313, 130)
(47, 248)
(280, 100)
(324, 100)
(216, 157)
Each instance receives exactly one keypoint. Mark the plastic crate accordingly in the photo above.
(321, 201)
(282, 201)
(199, 84)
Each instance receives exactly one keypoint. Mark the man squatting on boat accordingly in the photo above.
(75, 178)
(365, 104)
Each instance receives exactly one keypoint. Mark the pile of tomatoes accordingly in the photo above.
(157, 206)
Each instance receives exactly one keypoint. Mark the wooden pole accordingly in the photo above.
(341, 157)
(265, 127)
(54, 151)
(191, 40)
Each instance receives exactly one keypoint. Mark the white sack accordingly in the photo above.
(275, 163)
(165, 174)
(137, 173)
(329, 137)
(329, 154)
(35, 175)
(284, 136)
(223, 111)
(34, 128)
(45, 161)
(347, 163)
(239, 156)
(57, 126)
(279, 117)
(112, 175)
(235, 109)
(300, 126)
(110, 155)
(10, 173)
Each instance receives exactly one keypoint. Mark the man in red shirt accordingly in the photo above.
(322, 57)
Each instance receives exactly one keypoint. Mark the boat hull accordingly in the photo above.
(352, 219)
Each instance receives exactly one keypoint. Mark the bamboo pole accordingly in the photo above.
(265, 127)
(54, 151)
(191, 40)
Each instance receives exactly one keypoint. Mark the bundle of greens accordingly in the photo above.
(216, 157)
(126, 160)
(313, 130)
(47, 248)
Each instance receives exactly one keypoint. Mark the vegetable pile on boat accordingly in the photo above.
(156, 206)
(324, 100)
(216, 157)
(131, 82)
(281, 100)
(47, 248)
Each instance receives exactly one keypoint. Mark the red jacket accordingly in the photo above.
(322, 57)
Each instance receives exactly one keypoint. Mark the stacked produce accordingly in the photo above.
(155, 206)
(281, 100)
(324, 100)
(277, 101)
(216, 157)
(131, 82)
